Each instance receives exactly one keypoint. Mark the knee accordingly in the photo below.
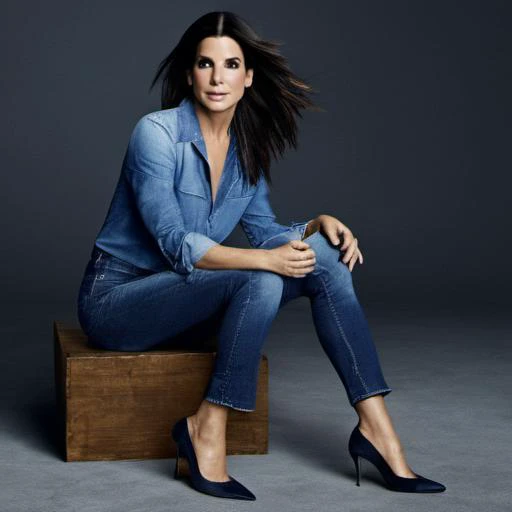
(329, 259)
(259, 285)
(266, 287)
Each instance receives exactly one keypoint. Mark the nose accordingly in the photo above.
(216, 76)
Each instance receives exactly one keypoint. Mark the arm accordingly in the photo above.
(262, 231)
(224, 257)
(149, 167)
(260, 226)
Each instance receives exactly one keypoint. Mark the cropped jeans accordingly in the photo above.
(126, 308)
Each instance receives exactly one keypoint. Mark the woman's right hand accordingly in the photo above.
(293, 259)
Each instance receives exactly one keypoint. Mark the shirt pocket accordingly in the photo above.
(192, 200)
(237, 201)
(241, 189)
(190, 185)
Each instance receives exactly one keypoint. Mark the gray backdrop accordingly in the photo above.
(412, 153)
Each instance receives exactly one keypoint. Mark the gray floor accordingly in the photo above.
(450, 372)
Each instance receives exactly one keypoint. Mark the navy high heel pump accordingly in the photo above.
(184, 448)
(359, 446)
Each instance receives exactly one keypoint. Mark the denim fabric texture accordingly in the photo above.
(161, 215)
(141, 291)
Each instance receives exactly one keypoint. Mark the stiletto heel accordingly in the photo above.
(357, 462)
(176, 468)
(359, 446)
(185, 450)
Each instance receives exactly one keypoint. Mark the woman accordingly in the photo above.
(191, 172)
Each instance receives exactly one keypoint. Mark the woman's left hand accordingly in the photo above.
(333, 229)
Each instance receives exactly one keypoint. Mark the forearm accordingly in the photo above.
(224, 257)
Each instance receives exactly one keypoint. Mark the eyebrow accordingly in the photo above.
(229, 58)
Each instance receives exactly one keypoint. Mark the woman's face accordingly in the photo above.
(219, 67)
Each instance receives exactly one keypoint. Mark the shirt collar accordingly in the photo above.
(189, 127)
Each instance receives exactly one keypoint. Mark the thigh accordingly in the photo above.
(127, 308)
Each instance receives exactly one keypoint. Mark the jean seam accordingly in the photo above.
(342, 332)
(227, 374)
(93, 284)
(98, 315)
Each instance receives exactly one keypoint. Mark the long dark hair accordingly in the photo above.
(265, 117)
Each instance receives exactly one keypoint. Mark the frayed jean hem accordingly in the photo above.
(227, 404)
(383, 392)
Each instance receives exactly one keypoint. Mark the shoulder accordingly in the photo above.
(152, 145)
(160, 124)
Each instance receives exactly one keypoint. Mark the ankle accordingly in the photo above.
(207, 427)
(372, 428)
(379, 433)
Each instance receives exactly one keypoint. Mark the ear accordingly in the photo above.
(189, 76)
(248, 77)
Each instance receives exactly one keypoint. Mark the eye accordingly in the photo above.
(202, 63)
(233, 64)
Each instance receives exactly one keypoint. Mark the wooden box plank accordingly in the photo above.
(122, 405)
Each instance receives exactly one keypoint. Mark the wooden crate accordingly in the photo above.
(117, 405)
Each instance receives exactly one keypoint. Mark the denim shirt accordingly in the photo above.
(161, 216)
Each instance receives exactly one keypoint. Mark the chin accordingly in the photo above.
(218, 106)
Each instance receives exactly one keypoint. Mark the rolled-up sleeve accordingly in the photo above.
(259, 224)
(149, 167)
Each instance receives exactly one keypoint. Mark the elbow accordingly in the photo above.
(192, 247)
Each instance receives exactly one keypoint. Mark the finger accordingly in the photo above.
(348, 238)
(333, 234)
(350, 251)
(299, 245)
(306, 254)
(301, 264)
(304, 272)
(353, 261)
(355, 258)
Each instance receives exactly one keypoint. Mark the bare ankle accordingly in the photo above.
(383, 435)
(209, 420)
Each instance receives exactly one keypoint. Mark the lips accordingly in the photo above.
(216, 96)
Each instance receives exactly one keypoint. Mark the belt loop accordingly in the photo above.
(98, 258)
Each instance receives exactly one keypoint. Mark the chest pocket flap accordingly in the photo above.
(190, 183)
(241, 189)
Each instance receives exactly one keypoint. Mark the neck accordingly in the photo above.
(214, 125)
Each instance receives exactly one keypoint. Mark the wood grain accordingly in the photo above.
(122, 405)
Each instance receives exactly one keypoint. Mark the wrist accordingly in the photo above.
(264, 257)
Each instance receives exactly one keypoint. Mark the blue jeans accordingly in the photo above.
(123, 307)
